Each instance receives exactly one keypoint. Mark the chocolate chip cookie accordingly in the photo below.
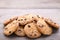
(20, 31)
(10, 28)
(43, 27)
(31, 31)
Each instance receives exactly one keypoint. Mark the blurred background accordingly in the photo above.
(26, 4)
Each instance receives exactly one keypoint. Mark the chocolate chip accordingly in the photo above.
(42, 26)
(35, 21)
(9, 31)
(28, 25)
(54, 23)
(38, 16)
(10, 19)
(18, 20)
(34, 34)
(25, 19)
(19, 24)
(32, 17)
(19, 30)
(30, 35)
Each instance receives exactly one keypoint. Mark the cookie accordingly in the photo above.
(22, 20)
(51, 23)
(26, 19)
(43, 27)
(20, 31)
(31, 18)
(10, 28)
(10, 20)
(31, 31)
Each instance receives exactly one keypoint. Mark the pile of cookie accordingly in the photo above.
(29, 25)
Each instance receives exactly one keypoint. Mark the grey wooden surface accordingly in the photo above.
(16, 4)
(54, 14)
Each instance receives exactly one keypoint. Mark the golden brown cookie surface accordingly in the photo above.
(20, 31)
(43, 27)
(31, 31)
(10, 28)
(51, 23)
(22, 20)
(10, 20)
